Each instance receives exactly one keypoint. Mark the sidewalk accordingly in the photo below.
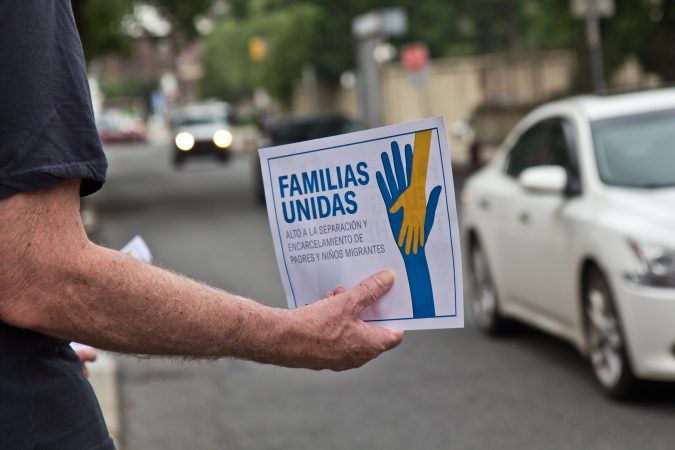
(103, 378)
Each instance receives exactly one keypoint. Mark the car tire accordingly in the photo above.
(484, 298)
(223, 158)
(605, 338)
(178, 161)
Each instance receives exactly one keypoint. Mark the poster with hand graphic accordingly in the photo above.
(344, 207)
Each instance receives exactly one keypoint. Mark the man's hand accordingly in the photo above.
(332, 335)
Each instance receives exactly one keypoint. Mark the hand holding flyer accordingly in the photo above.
(344, 207)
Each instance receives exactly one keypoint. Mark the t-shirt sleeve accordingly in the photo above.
(47, 128)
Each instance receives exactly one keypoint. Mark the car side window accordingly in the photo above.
(544, 144)
(526, 150)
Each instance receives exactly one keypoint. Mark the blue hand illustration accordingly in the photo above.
(392, 185)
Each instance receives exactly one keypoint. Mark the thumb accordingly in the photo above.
(398, 204)
(368, 291)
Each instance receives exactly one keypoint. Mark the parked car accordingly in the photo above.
(117, 126)
(571, 228)
(201, 130)
(297, 129)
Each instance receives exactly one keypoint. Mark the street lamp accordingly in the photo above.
(369, 30)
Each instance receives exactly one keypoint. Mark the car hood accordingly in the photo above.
(654, 206)
(203, 132)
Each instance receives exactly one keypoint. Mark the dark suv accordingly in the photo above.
(297, 129)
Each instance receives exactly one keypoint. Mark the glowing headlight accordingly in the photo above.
(185, 141)
(658, 265)
(222, 138)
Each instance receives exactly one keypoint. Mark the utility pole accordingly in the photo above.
(594, 40)
(369, 30)
(592, 11)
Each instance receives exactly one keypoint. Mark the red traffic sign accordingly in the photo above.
(414, 56)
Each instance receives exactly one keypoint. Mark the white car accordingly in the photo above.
(201, 130)
(571, 228)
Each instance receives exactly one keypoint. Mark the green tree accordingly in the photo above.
(642, 28)
(319, 32)
(181, 14)
(645, 29)
(288, 33)
(99, 23)
(461, 27)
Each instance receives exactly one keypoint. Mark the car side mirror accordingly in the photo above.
(544, 179)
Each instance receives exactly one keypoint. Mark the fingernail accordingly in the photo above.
(386, 277)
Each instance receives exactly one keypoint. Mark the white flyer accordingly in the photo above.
(342, 208)
(138, 249)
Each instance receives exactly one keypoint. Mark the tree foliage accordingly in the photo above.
(318, 32)
(181, 13)
(457, 28)
(100, 22)
(645, 29)
(100, 25)
(288, 33)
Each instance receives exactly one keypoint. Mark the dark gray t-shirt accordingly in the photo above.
(47, 134)
(47, 130)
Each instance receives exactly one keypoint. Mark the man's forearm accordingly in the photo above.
(55, 281)
(118, 303)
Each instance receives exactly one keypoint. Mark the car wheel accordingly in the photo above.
(178, 161)
(606, 343)
(484, 299)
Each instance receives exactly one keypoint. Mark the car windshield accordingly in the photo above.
(197, 120)
(636, 150)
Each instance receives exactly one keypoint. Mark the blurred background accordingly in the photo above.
(185, 92)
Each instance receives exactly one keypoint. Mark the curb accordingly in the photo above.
(103, 378)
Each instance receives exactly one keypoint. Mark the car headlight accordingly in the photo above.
(185, 141)
(222, 138)
(658, 265)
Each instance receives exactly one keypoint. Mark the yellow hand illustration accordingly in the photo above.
(413, 200)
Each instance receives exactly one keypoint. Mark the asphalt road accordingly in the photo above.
(449, 389)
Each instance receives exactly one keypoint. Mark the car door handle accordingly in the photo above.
(484, 203)
(524, 218)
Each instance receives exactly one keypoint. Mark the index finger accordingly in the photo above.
(370, 290)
